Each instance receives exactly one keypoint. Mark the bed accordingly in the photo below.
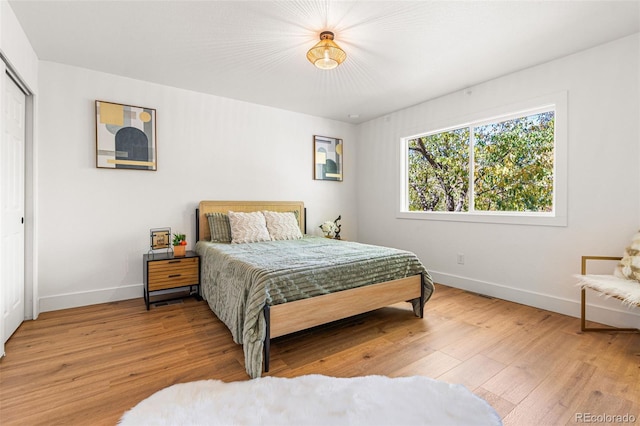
(263, 290)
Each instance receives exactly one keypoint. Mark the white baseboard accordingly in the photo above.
(85, 298)
(618, 317)
(609, 315)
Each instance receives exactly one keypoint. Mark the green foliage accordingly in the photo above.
(178, 238)
(439, 171)
(513, 167)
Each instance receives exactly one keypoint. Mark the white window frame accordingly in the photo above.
(557, 217)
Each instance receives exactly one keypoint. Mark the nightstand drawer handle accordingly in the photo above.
(174, 275)
(174, 261)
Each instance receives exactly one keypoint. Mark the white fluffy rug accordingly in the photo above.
(314, 400)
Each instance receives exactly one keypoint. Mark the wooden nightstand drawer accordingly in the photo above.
(173, 273)
(163, 272)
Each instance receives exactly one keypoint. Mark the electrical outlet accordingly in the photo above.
(460, 259)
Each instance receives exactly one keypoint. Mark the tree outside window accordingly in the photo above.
(512, 165)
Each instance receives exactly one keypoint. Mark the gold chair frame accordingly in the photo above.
(583, 310)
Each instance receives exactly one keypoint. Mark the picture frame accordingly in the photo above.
(160, 238)
(327, 158)
(125, 137)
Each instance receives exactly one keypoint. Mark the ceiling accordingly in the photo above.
(399, 53)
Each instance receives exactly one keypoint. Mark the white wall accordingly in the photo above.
(94, 223)
(16, 49)
(527, 264)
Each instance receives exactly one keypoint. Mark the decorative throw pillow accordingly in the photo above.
(629, 266)
(219, 227)
(248, 227)
(282, 225)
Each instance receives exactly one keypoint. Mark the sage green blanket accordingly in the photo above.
(239, 279)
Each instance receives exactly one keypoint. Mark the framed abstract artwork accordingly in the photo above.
(327, 158)
(125, 137)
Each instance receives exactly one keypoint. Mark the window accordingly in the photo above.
(503, 169)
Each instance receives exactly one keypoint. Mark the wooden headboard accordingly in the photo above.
(245, 206)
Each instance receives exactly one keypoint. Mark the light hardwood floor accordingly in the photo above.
(88, 365)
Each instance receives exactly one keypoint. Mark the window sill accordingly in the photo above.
(538, 219)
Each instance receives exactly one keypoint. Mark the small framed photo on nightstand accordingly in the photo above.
(160, 238)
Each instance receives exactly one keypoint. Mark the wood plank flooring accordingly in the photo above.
(89, 365)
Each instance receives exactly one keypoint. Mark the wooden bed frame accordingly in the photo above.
(299, 315)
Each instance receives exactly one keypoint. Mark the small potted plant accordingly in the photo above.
(179, 245)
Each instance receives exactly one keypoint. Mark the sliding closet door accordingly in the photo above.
(12, 189)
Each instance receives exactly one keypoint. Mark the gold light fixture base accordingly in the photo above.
(326, 55)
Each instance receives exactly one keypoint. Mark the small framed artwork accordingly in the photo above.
(160, 238)
(327, 158)
(125, 137)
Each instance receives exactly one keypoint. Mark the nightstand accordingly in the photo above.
(164, 271)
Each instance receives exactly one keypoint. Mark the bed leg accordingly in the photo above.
(197, 238)
(267, 338)
(421, 295)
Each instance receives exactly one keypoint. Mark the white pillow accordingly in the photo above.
(629, 266)
(282, 225)
(248, 227)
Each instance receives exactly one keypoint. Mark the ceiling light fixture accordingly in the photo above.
(326, 55)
